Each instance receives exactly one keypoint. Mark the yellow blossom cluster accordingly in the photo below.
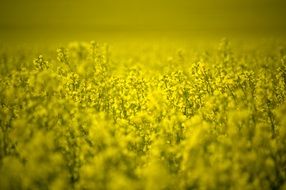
(91, 117)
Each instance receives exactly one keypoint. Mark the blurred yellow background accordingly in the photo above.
(35, 19)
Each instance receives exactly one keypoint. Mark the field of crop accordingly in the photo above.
(161, 116)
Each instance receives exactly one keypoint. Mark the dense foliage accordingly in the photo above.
(85, 117)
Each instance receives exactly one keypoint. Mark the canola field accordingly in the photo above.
(90, 115)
